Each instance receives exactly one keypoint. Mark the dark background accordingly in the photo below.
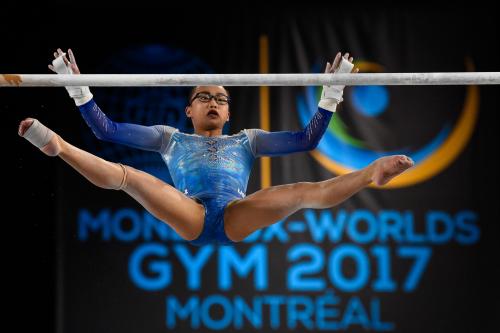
(30, 197)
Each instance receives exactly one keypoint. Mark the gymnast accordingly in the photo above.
(209, 170)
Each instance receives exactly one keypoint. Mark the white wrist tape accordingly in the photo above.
(331, 96)
(82, 94)
(38, 134)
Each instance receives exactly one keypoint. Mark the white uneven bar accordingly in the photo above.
(161, 80)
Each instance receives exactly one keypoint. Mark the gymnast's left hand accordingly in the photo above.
(331, 96)
(335, 65)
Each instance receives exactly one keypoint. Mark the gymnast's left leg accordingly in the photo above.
(270, 205)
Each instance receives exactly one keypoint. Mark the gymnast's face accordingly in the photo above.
(208, 107)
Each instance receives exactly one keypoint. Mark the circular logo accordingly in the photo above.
(341, 153)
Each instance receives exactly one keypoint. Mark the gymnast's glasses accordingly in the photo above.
(204, 97)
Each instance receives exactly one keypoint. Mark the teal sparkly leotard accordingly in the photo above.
(212, 170)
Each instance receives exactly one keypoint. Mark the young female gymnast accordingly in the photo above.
(210, 171)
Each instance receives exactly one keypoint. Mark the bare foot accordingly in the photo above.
(386, 168)
(53, 148)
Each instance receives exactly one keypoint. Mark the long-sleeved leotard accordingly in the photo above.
(208, 168)
(154, 137)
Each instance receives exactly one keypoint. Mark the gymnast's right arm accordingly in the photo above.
(137, 136)
(151, 138)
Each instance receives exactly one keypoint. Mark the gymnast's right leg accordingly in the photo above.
(163, 201)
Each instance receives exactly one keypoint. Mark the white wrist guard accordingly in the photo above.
(82, 94)
(331, 96)
(38, 134)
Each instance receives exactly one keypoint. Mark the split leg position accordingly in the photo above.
(163, 201)
(270, 205)
(186, 216)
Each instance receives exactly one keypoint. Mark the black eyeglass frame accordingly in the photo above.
(210, 96)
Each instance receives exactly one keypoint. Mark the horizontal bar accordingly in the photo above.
(163, 80)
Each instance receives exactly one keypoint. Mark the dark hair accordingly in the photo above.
(192, 92)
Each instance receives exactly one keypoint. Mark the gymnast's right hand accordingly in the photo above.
(71, 66)
(61, 65)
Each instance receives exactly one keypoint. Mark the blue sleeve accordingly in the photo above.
(153, 138)
(265, 143)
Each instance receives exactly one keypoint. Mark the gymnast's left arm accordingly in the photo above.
(265, 143)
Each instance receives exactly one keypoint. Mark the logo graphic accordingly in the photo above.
(341, 153)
